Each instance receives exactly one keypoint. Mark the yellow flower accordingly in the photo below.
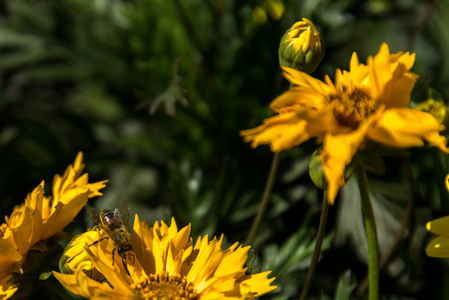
(167, 265)
(41, 218)
(276, 10)
(370, 102)
(302, 47)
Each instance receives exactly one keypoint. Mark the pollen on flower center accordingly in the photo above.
(352, 107)
(164, 286)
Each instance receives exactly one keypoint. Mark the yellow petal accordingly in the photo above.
(116, 276)
(439, 226)
(8, 252)
(439, 247)
(404, 127)
(65, 211)
(233, 263)
(338, 152)
(81, 284)
(257, 283)
(303, 79)
(142, 242)
(398, 89)
(446, 182)
(299, 96)
(282, 132)
(180, 240)
(27, 231)
(7, 290)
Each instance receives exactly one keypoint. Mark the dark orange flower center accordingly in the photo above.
(164, 286)
(352, 107)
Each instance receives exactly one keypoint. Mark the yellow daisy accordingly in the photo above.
(41, 218)
(167, 265)
(370, 102)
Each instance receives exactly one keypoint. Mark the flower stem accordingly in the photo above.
(370, 227)
(399, 235)
(265, 199)
(317, 249)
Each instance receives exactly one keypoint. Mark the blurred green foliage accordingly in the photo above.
(155, 92)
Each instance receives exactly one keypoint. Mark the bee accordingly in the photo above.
(115, 223)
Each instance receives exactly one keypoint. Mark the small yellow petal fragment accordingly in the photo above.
(437, 246)
(428, 225)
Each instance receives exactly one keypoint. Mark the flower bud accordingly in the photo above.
(75, 256)
(435, 106)
(302, 47)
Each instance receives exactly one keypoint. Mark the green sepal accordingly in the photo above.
(63, 267)
(316, 170)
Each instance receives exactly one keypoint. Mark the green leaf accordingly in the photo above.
(45, 275)
(350, 223)
(345, 287)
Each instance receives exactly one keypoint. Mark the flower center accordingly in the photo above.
(166, 287)
(352, 107)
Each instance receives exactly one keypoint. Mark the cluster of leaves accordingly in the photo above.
(155, 93)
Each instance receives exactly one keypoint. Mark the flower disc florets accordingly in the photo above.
(165, 286)
(353, 107)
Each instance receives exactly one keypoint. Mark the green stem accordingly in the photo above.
(370, 227)
(265, 199)
(399, 235)
(317, 249)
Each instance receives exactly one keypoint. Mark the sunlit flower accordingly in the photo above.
(42, 217)
(302, 47)
(370, 102)
(167, 265)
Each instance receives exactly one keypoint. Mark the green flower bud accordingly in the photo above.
(302, 47)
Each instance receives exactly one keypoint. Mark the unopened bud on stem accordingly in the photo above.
(302, 47)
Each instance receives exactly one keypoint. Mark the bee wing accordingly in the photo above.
(124, 212)
(94, 214)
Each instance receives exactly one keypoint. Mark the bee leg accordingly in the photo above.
(98, 241)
